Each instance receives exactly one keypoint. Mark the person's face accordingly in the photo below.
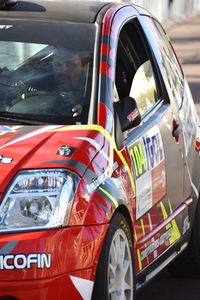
(68, 70)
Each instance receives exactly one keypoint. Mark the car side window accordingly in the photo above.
(135, 76)
(171, 64)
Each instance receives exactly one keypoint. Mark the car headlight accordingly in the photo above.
(38, 199)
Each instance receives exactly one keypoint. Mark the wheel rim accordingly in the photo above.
(120, 269)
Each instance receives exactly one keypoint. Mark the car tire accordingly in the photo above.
(115, 271)
(188, 263)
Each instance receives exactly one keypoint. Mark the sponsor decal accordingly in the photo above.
(5, 160)
(22, 261)
(133, 115)
(65, 150)
(186, 225)
(96, 182)
(139, 159)
(148, 159)
(156, 244)
(108, 138)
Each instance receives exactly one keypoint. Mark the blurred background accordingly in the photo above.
(168, 10)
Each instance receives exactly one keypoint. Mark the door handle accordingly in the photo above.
(177, 130)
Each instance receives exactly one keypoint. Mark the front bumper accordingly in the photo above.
(54, 264)
(63, 287)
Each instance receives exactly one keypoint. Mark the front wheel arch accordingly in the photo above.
(122, 209)
(115, 274)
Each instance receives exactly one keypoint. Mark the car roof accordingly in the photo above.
(69, 10)
(80, 11)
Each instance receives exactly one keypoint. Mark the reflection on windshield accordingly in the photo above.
(41, 79)
(13, 54)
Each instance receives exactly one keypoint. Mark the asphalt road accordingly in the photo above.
(165, 287)
(185, 37)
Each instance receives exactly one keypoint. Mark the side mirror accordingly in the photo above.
(128, 113)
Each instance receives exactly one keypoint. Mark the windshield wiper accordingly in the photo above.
(19, 118)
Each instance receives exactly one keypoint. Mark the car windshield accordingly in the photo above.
(46, 70)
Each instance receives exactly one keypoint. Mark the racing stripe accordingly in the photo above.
(135, 234)
(107, 41)
(175, 233)
(31, 134)
(142, 226)
(8, 247)
(110, 185)
(165, 215)
(76, 164)
(107, 136)
(6, 129)
(139, 260)
(106, 90)
(115, 202)
(103, 207)
(24, 130)
(95, 144)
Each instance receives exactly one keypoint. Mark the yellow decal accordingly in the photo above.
(139, 260)
(116, 204)
(107, 136)
(135, 235)
(142, 225)
(175, 235)
(175, 232)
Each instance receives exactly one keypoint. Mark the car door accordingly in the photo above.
(155, 146)
(180, 95)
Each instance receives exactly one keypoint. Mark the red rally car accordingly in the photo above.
(99, 152)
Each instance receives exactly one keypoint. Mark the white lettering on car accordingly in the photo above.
(22, 261)
(96, 182)
(155, 244)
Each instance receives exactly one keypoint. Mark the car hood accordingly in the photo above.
(40, 147)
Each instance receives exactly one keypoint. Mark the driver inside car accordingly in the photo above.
(57, 88)
(69, 77)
